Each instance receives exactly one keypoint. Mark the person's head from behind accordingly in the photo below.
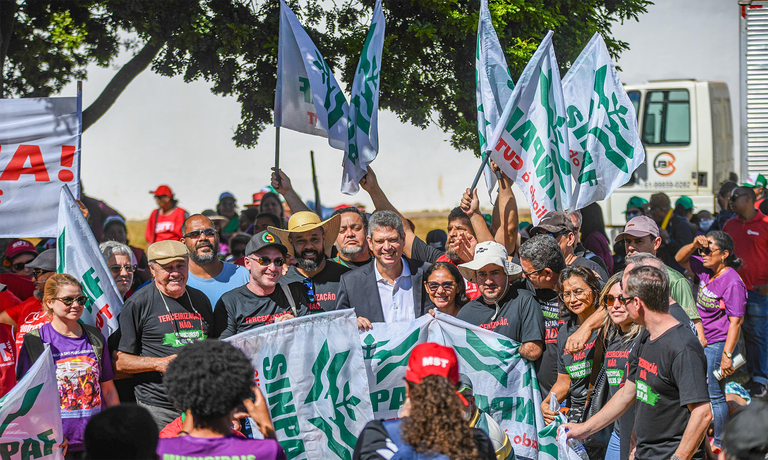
(744, 433)
(248, 218)
(119, 259)
(684, 207)
(724, 195)
(437, 238)
(579, 290)
(659, 207)
(63, 299)
(542, 261)
(264, 220)
(743, 201)
(445, 285)
(115, 230)
(208, 380)
(436, 423)
(270, 203)
(458, 224)
(576, 220)
(351, 240)
(121, 432)
(386, 238)
(645, 292)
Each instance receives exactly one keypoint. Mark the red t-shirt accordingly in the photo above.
(161, 228)
(750, 241)
(29, 315)
(7, 361)
(472, 291)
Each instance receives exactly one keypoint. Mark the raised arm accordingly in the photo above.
(370, 184)
(683, 256)
(506, 208)
(285, 188)
(470, 204)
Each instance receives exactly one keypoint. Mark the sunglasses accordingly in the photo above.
(706, 251)
(19, 266)
(553, 235)
(610, 299)
(625, 300)
(39, 271)
(265, 261)
(736, 197)
(447, 286)
(197, 233)
(68, 301)
(116, 269)
(528, 274)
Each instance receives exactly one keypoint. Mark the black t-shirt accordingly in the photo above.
(240, 309)
(324, 285)
(615, 364)
(519, 316)
(374, 443)
(147, 329)
(546, 369)
(592, 265)
(424, 252)
(669, 372)
(578, 366)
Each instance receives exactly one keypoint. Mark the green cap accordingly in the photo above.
(755, 180)
(636, 202)
(685, 202)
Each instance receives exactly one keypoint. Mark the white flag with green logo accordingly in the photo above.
(364, 107)
(77, 253)
(530, 142)
(493, 85)
(604, 142)
(308, 98)
(31, 414)
(386, 349)
(311, 372)
(505, 385)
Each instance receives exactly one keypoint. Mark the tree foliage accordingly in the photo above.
(427, 67)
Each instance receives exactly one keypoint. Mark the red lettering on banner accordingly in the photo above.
(312, 118)
(526, 177)
(510, 155)
(573, 157)
(67, 159)
(16, 168)
(540, 211)
(104, 311)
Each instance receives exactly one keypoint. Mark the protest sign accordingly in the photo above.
(530, 142)
(602, 125)
(311, 372)
(77, 254)
(364, 107)
(493, 86)
(39, 153)
(307, 97)
(31, 415)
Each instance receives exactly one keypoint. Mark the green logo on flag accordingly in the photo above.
(337, 102)
(403, 350)
(477, 347)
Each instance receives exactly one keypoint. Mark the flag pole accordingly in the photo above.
(277, 154)
(318, 207)
(486, 157)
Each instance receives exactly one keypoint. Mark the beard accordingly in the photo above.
(454, 257)
(206, 258)
(309, 264)
(351, 251)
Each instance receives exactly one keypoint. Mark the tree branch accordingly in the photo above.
(7, 14)
(121, 81)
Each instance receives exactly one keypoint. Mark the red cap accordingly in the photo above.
(19, 247)
(432, 359)
(162, 190)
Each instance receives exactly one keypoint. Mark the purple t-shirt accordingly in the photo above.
(78, 377)
(718, 299)
(227, 446)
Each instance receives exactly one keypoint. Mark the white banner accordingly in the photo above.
(77, 254)
(307, 97)
(39, 153)
(531, 139)
(311, 372)
(493, 86)
(31, 415)
(604, 142)
(364, 107)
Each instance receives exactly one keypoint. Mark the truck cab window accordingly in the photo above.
(634, 96)
(667, 119)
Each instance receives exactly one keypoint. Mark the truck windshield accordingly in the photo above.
(667, 119)
(634, 96)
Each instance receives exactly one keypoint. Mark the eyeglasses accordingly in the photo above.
(553, 235)
(707, 251)
(736, 197)
(197, 233)
(265, 261)
(39, 271)
(68, 301)
(578, 293)
(528, 274)
(610, 299)
(116, 269)
(448, 286)
(625, 300)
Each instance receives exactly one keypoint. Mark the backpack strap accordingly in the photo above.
(33, 346)
(96, 340)
(291, 301)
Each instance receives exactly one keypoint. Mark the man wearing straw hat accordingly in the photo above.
(310, 240)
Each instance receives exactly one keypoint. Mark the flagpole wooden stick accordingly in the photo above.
(318, 207)
(486, 157)
(277, 154)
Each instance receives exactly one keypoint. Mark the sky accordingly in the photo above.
(164, 131)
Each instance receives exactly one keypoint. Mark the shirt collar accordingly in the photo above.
(406, 270)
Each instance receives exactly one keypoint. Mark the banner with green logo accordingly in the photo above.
(311, 372)
(30, 415)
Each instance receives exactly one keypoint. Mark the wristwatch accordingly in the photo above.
(728, 355)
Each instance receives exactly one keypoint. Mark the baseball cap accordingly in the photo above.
(19, 247)
(744, 433)
(212, 215)
(465, 383)
(636, 202)
(554, 222)
(432, 359)
(262, 240)
(45, 261)
(755, 180)
(226, 195)
(489, 252)
(167, 251)
(162, 190)
(639, 226)
(684, 201)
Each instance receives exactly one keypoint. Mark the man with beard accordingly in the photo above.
(310, 242)
(206, 272)
(351, 241)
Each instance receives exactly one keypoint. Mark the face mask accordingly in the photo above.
(705, 225)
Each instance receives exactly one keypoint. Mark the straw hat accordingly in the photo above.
(305, 221)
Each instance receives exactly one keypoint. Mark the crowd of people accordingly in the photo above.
(639, 340)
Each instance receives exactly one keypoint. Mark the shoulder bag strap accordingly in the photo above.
(289, 294)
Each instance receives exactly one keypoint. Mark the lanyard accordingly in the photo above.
(173, 321)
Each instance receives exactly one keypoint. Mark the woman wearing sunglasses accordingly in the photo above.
(83, 366)
(618, 333)
(445, 287)
(578, 290)
(721, 301)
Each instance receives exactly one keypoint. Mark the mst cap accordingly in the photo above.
(489, 253)
(432, 359)
(162, 190)
(744, 433)
(46, 261)
(554, 222)
(167, 251)
(639, 227)
(755, 180)
(262, 240)
(19, 247)
(684, 201)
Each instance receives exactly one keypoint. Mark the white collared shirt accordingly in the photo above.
(397, 300)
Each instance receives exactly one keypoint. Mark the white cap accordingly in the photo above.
(489, 253)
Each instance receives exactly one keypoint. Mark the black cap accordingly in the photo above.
(744, 433)
(262, 240)
(45, 261)
(554, 222)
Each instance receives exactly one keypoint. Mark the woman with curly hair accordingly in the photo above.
(208, 381)
(433, 425)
